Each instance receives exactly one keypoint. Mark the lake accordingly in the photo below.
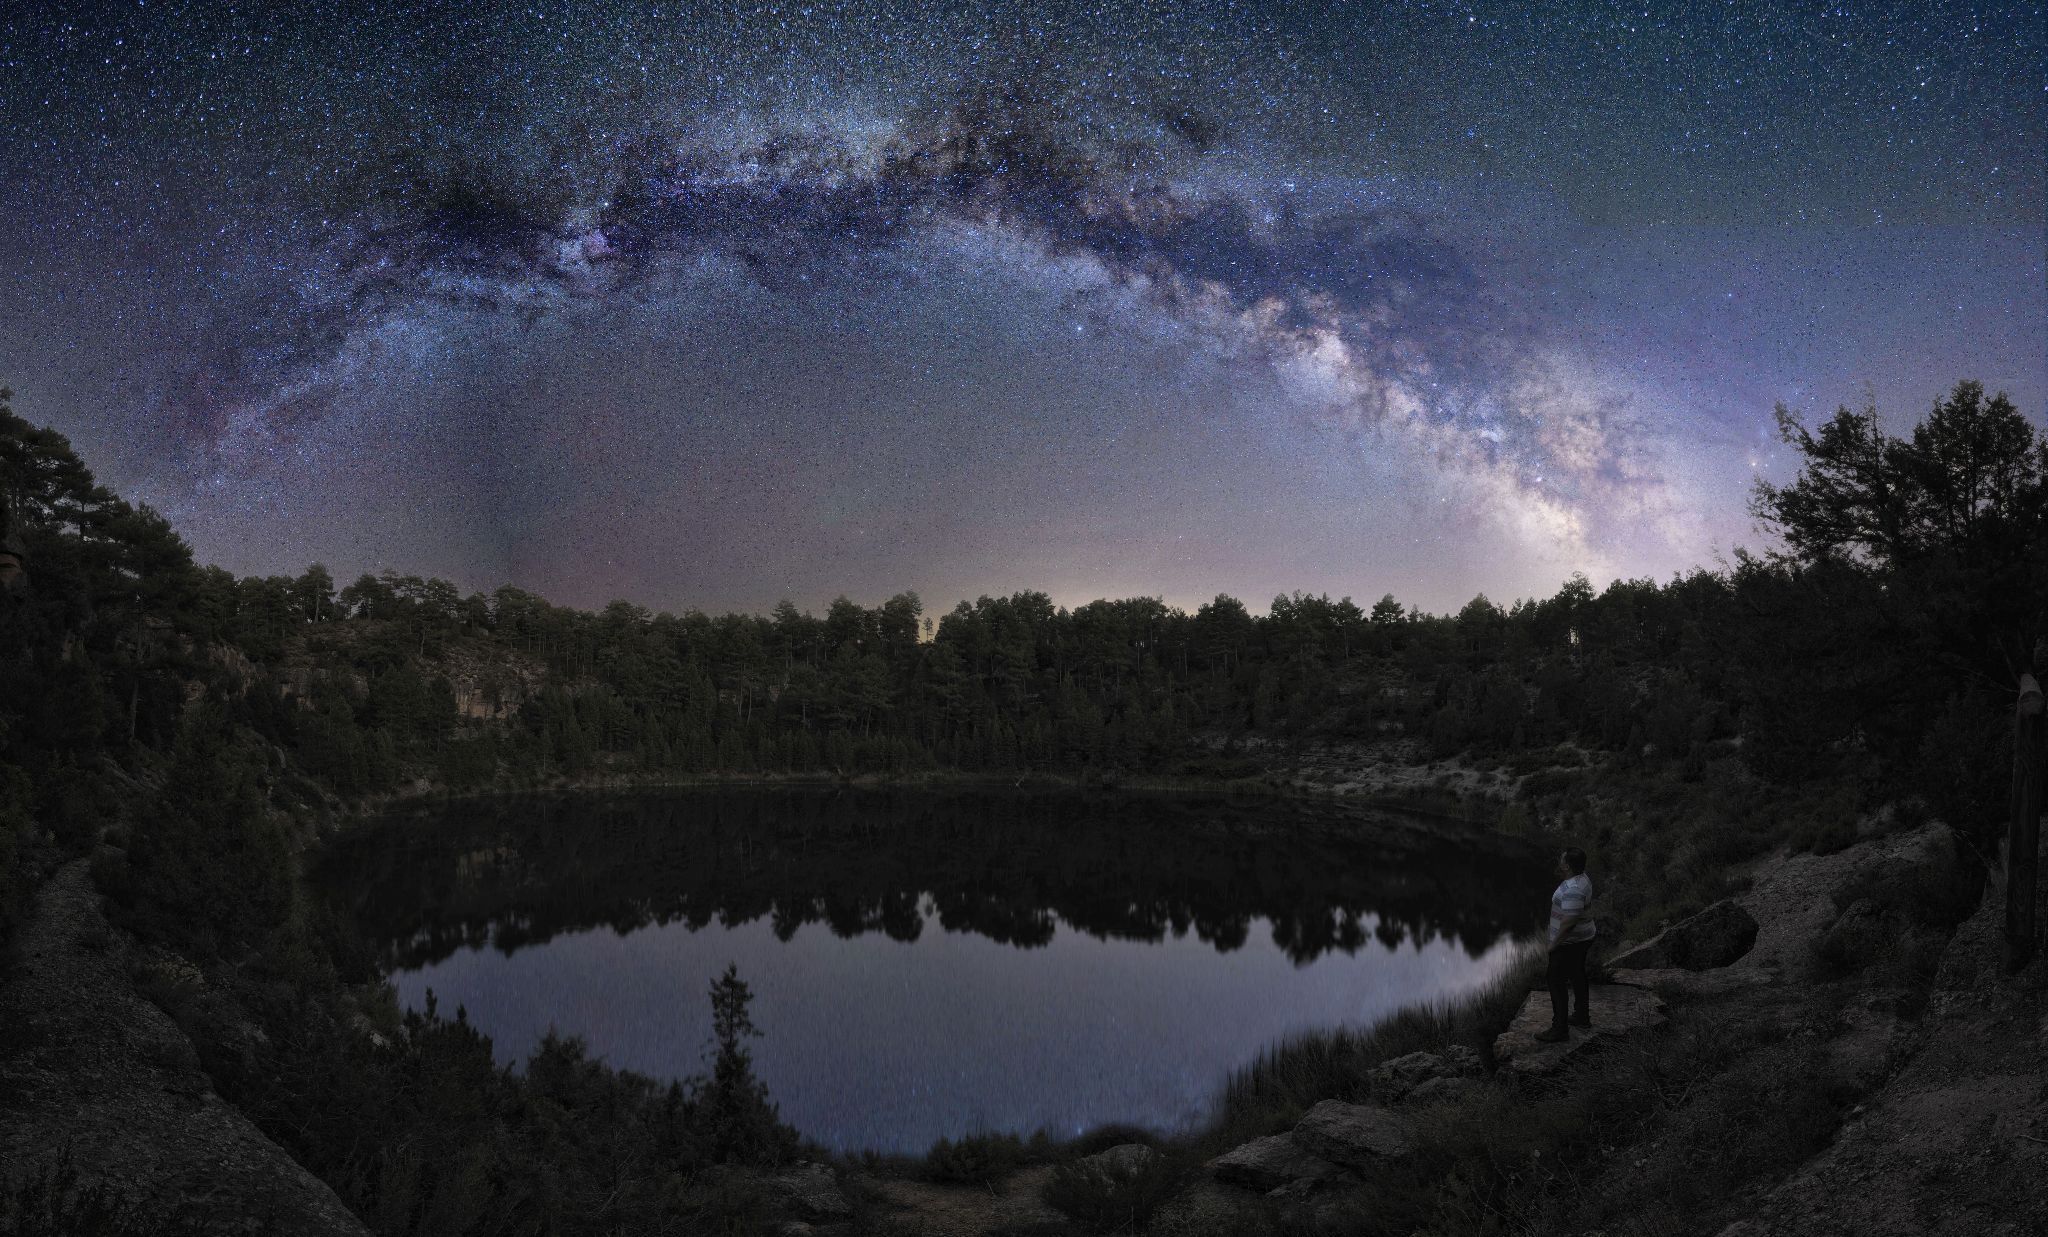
(935, 963)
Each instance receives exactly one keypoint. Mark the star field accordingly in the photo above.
(710, 305)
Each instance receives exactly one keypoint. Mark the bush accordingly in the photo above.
(1107, 1201)
(983, 1158)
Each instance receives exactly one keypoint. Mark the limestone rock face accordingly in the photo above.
(1616, 1008)
(1270, 1163)
(1715, 937)
(1354, 1134)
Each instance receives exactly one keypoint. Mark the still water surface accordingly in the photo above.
(932, 965)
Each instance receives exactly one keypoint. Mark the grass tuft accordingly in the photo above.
(1269, 1095)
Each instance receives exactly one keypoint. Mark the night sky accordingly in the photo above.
(707, 308)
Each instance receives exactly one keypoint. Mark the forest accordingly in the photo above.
(192, 733)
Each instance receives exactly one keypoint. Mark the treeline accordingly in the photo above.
(1880, 645)
(1882, 653)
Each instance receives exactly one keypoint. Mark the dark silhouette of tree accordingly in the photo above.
(739, 1116)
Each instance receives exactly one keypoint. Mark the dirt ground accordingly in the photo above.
(1955, 1144)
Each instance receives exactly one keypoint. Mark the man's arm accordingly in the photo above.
(1573, 903)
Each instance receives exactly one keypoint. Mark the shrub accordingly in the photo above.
(1106, 1201)
(1547, 782)
(983, 1158)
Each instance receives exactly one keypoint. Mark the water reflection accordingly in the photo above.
(929, 965)
(513, 874)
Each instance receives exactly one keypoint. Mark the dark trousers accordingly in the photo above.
(1568, 977)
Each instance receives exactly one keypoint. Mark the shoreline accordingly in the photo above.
(1218, 1120)
(1477, 809)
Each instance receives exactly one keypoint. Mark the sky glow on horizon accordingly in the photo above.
(710, 306)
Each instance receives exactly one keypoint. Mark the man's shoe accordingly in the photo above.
(1581, 1020)
(1555, 1035)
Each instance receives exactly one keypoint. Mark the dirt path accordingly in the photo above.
(928, 1210)
(89, 1068)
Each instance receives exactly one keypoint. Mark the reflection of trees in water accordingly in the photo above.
(1012, 868)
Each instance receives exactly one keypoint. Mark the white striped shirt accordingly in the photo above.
(1573, 897)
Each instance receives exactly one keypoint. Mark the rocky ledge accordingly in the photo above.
(1335, 1138)
(93, 1073)
(1616, 1010)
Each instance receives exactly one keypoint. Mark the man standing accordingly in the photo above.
(1571, 939)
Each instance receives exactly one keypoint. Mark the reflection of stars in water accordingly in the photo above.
(874, 1043)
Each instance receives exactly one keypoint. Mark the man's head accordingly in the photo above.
(1571, 861)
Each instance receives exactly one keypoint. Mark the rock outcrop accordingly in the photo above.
(1335, 1137)
(1616, 1009)
(1441, 1090)
(1271, 1163)
(1403, 1076)
(1864, 932)
(1354, 1135)
(1715, 937)
(96, 1073)
(1797, 899)
(1955, 1144)
(1124, 1160)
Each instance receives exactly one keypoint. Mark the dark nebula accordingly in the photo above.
(707, 306)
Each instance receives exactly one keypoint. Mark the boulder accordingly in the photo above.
(1354, 1135)
(1270, 1163)
(1616, 1009)
(1862, 934)
(1925, 877)
(1124, 1160)
(1396, 1078)
(1713, 938)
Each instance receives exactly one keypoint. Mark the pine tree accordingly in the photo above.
(743, 1124)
